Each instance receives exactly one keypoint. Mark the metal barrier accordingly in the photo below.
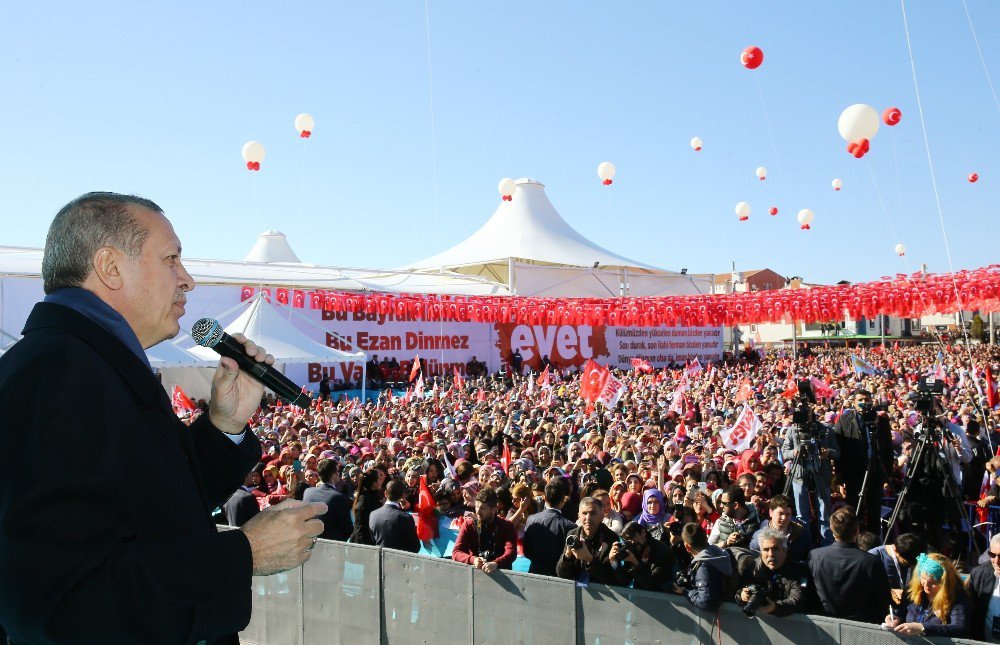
(348, 593)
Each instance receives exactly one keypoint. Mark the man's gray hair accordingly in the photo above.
(592, 502)
(778, 537)
(83, 226)
(995, 542)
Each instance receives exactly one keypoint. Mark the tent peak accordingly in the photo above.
(272, 247)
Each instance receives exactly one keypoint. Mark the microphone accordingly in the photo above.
(208, 333)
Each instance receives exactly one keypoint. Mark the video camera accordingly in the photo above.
(927, 388)
(802, 415)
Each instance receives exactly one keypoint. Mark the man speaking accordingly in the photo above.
(85, 557)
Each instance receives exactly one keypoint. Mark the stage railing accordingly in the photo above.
(360, 594)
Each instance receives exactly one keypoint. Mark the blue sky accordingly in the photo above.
(158, 99)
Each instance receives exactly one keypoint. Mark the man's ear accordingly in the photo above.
(107, 267)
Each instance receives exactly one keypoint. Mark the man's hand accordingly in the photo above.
(236, 396)
(616, 549)
(745, 594)
(489, 567)
(582, 553)
(282, 537)
(733, 538)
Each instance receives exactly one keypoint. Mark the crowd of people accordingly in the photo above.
(649, 494)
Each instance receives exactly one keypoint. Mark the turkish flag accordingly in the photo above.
(427, 525)
(791, 389)
(415, 369)
(745, 391)
(681, 430)
(315, 300)
(181, 400)
(246, 294)
(543, 378)
(282, 296)
(298, 299)
(459, 381)
(481, 396)
(505, 457)
(642, 366)
(593, 380)
(991, 389)
(267, 294)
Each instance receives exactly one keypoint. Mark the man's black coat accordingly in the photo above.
(84, 556)
(337, 523)
(850, 583)
(544, 540)
(394, 528)
(240, 508)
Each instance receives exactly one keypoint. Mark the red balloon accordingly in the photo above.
(752, 57)
(973, 178)
(858, 148)
(774, 210)
(891, 116)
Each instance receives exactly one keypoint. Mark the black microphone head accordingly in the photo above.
(207, 332)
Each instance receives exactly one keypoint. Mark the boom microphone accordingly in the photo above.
(208, 333)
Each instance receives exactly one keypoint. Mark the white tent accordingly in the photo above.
(272, 246)
(266, 326)
(530, 248)
(167, 355)
(24, 262)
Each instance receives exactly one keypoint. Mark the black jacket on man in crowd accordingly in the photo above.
(544, 540)
(241, 507)
(85, 556)
(337, 524)
(600, 567)
(710, 570)
(655, 571)
(855, 442)
(850, 583)
(788, 587)
(981, 584)
(394, 528)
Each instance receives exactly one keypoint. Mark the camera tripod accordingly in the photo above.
(921, 453)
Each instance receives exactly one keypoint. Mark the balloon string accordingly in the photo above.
(930, 164)
(715, 205)
(981, 58)
(781, 171)
(434, 170)
(256, 201)
(885, 211)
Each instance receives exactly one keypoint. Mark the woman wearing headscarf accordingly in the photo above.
(939, 605)
(749, 463)
(654, 513)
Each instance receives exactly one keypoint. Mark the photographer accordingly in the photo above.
(772, 582)
(738, 523)
(641, 561)
(585, 557)
(812, 450)
(865, 448)
(487, 542)
(704, 583)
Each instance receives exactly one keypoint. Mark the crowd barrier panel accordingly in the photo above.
(349, 593)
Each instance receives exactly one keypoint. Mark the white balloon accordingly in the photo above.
(900, 249)
(696, 143)
(836, 183)
(859, 121)
(506, 187)
(253, 151)
(743, 210)
(761, 172)
(606, 170)
(805, 217)
(304, 122)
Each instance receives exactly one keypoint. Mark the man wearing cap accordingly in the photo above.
(85, 557)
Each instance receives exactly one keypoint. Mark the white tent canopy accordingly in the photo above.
(167, 355)
(272, 246)
(27, 262)
(528, 246)
(262, 323)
